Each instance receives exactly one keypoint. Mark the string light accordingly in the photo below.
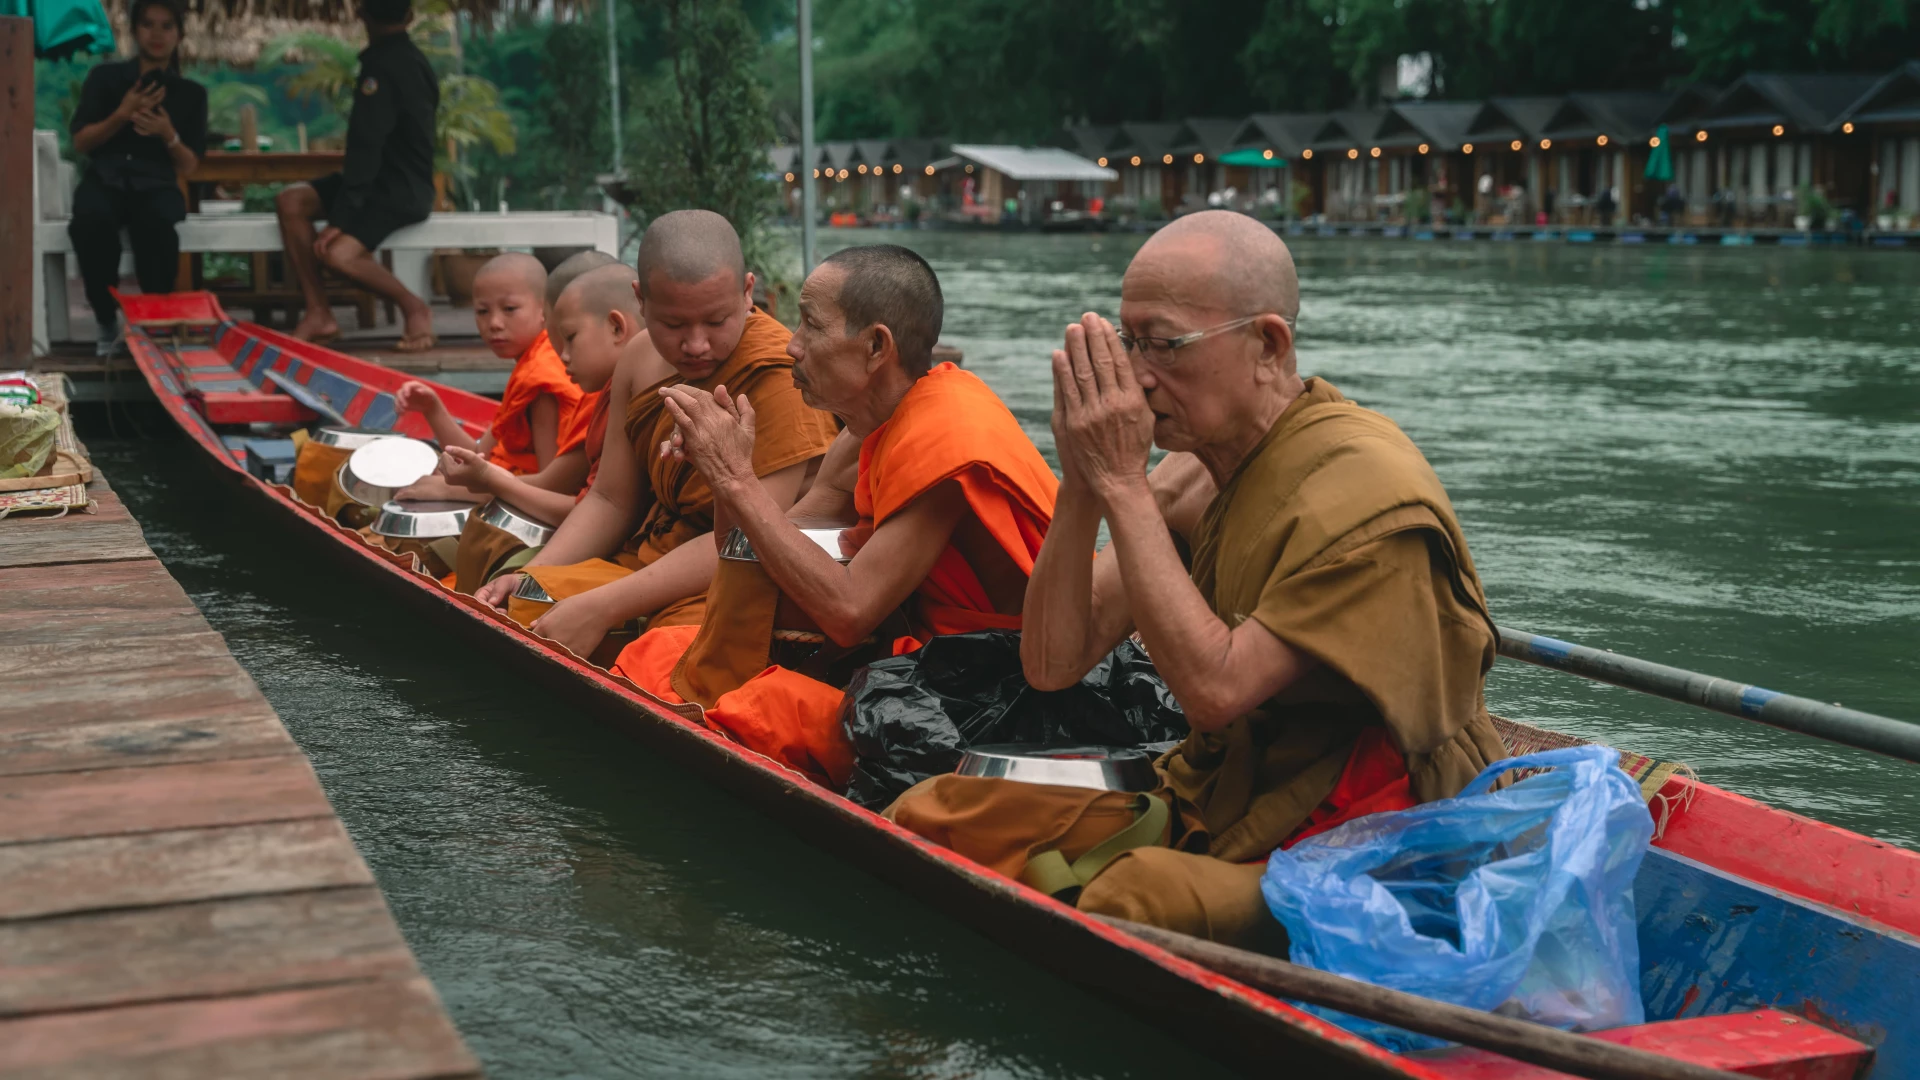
(816, 174)
(1847, 127)
(843, 174)
(1601, 141)
(1269, 154)
(1655, 141)
(929, 170)
(1199, 159)
(897, 169)
(1423, 148)
(1103, 163)
(1136, 160)
(1515, 146)
(789, 178)
(1166, 159)
(863, 170)
(1546, 144)
(1466, 148)
(1778, 130)
(1306, 155)
(1351, 154)
(1375, 151)
(1699, 136)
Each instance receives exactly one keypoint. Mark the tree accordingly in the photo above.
(706, 124)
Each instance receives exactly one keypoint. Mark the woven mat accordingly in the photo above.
(1522, 738)
(62, 488)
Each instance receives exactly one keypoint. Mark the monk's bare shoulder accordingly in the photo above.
(1183, 487)
(642, 364)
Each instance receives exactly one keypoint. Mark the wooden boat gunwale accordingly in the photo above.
(1220, 1016)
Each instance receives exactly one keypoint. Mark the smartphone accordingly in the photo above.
(151, 79)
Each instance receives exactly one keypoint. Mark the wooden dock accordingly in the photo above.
(177, 897)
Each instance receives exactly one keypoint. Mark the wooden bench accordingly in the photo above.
(411, 248)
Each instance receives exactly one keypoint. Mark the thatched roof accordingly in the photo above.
(234, 31)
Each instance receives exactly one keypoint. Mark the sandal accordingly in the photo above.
(418, 344)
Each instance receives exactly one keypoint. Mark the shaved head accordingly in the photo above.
(1223, 260)
(572, 267)
(521, 269)
(604, 289)
(688, 247)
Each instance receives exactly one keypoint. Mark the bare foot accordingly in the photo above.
(316, 327)
(417, 334)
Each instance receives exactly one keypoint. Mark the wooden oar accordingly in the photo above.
(1848, 727)
(1518, 1039)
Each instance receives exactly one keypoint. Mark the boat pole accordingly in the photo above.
(1536, 1044)
(809, 206)
(1834, 723)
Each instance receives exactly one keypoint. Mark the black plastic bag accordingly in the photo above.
(911, 716)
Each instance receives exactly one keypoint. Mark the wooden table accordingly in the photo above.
(176, 895)
(220, 167)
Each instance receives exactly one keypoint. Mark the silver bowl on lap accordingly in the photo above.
(348, 438)
(379, 470)
(426, 519)
(1102, 768)
(516, 522)
(738, 548)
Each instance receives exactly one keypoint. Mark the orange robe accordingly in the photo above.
(593, 438)
(678, 504)
(949, 426)
(538, 371)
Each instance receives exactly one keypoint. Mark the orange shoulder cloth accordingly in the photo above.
(951, 426)
(538, 371)
(787, 432)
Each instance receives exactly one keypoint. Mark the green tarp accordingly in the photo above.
(64, 27)
(1660, 158)
(1256, 158)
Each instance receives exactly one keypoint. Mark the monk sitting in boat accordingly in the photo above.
(541, 407)
(597, 328)
(947, 498)
(1328, 640)
(638, 545)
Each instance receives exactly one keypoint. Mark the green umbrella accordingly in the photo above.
(1660, 159)
(1255, 158)
(63, 27)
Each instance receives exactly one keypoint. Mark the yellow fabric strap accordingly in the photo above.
(1050, 872)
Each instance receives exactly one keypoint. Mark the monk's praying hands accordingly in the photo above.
(714, 432)
(1101, 421)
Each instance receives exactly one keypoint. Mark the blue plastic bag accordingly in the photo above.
(1518, 901)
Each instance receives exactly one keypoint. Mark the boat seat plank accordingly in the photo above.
(104, 802)
(64, 877)
(392, 1029)
(1765, 1042)
(107, 534)
(253, 407)
(214, 731)
(234, 946)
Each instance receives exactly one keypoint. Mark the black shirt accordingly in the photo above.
(129, 159)
(390, 131)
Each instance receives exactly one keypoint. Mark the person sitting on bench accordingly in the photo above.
(386, 184)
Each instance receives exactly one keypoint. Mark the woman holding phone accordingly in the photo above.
(142, 127)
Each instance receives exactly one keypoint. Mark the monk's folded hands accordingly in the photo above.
(1103, 412)
(714, 432)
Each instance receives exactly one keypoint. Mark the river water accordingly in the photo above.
(1706, 457)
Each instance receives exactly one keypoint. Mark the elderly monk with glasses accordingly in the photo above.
(1293, 566)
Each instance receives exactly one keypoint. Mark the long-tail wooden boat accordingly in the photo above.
(1770, 943)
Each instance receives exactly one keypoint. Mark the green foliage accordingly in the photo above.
(1419, 207)
(225, 100)
(705, 124)
(324, 67)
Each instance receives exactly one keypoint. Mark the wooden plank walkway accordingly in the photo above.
(177, 897)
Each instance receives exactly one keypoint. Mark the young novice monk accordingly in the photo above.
(597, 327)
(540, 405)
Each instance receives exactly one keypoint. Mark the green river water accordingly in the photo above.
(1706, 457)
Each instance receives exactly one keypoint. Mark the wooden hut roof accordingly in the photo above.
(1894, 99)
(1513, 117)
(1629, 115)
(1209, 135)
(1805, 103)
(1348, 129)
(1286, 134)
(1441, 123)
(1090, 140)
(1150, 141)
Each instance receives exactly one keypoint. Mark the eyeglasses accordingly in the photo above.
(1158, 351)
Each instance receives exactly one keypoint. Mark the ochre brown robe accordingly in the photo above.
(1335, 535)
(678, 502)
(949, 426)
